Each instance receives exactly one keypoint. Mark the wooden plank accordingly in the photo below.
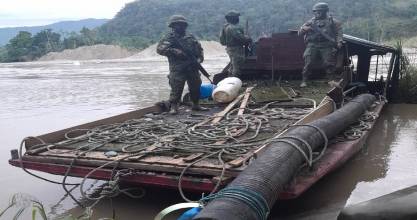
(192, 157)
(241, 160)
(147, 159)
(87, 155)
(326, 107)
(219, 116)
(241, 110)
(52, 146)
(133, 165)
(245, 100)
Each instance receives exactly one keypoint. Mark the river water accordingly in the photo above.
(41, 97)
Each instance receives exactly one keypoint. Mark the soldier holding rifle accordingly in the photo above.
(233, 37)
(323, 36)
(185, 56)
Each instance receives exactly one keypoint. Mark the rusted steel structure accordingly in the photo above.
(281, 55)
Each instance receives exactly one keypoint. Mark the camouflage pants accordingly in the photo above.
(314, 55)
(237, 58)
(177, 82)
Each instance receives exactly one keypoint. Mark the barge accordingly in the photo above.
(204, 152)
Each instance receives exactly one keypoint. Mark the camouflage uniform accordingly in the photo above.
(233, 37)
(318, 47)
(181, 69)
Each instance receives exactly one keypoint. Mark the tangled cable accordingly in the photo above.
(234, 136)
(356, 130)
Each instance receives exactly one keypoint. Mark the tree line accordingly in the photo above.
(141, 23)
(27, 47)
(375, 20)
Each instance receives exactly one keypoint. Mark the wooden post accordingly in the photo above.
(245, 100)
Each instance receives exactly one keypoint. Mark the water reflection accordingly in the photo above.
(398, 162)
(387, 163)
(41, 97)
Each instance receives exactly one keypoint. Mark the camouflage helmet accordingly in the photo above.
(232, 13)
(321, 6)
(177, 19)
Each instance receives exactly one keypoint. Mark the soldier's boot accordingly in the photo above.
(303, 83)
(304, 79)
(174, 109)
(197, 107)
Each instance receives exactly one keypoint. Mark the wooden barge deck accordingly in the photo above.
(165, 169)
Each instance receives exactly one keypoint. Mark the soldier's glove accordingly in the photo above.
(178, 53)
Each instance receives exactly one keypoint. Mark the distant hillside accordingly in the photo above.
(65, 27)
(377, 20)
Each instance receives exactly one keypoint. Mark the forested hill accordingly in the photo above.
(62, 27)
(146, 20)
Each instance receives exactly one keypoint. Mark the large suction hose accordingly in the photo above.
(255, 190)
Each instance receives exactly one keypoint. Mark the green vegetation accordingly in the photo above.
(407, 91)
(3, 54)
(377, 20)
(19, 48)
(20, 202)
(86, 37)
(142, 23)
(25, 47)
(61, 27)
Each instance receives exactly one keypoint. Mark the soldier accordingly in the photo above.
(323, 36)
(233, 37)
(181, 68)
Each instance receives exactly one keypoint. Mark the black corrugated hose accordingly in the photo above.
(255, 190)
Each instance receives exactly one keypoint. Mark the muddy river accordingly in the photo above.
(41, 97)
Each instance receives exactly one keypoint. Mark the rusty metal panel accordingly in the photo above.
(283, 51)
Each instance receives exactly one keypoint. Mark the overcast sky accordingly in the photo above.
(15, 13)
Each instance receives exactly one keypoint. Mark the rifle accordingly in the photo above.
(249, 47)
(320, 31)
(192, 58)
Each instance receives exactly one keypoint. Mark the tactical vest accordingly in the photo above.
(190, 44)
(326, 25)
(232, 35)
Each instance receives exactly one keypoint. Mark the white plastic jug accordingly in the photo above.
(227, 90)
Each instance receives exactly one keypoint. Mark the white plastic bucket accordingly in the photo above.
(227, 90)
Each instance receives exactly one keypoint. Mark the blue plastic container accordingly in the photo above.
(206, 90)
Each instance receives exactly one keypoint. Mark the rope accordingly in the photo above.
(308, 157)
(251, 198)
(323, 134)
(42, 143)
(186, 168)
(356, 130)
(234, 136)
